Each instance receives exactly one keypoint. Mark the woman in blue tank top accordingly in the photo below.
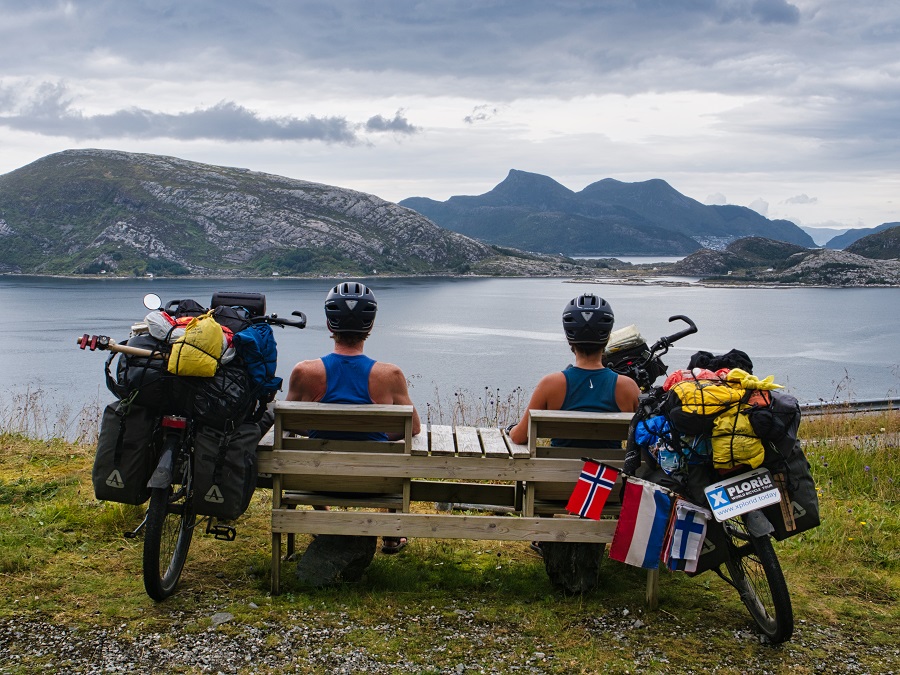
(587, 385)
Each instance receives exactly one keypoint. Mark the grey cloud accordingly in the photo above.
(480, 113)
(718, 199)
(775, 11)
(802, 199)
(399, 124)
(50, 112)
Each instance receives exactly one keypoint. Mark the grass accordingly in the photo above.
(63, 559)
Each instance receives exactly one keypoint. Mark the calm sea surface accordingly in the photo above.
(468, 334)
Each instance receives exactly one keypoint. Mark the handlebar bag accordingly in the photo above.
(225, 470)
(125, 458)
(197, 352)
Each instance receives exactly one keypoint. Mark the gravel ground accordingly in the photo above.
(219, 643)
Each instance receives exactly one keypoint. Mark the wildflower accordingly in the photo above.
(849, 538)
(862, 522)
(867, 468)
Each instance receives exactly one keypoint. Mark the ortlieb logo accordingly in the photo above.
(114, 480)
(214, 495)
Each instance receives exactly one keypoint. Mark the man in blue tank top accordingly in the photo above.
(588, 385)
(349, 376)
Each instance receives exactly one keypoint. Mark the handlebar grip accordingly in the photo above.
(683, 333)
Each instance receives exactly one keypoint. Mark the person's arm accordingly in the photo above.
(304, 385)
(549, 394)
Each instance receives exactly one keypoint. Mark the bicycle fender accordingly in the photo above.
(757, 524)
(162, 475)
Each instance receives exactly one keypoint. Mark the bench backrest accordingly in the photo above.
(293, 417)
(574, 425)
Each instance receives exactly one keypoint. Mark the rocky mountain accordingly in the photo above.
(759, 260)
(882, 245)
(609, 217)
(102, 211)
(850, 236)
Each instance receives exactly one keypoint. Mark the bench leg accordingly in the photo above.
(276, 563)
(653, 588)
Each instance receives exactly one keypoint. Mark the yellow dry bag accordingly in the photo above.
(197, 352)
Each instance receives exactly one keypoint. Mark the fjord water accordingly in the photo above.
(468, 334)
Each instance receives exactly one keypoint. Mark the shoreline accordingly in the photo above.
(625, 280)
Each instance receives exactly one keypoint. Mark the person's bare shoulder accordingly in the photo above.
(307, 381)
(386, 379)
(627, 394)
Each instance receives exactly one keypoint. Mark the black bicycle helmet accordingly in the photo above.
(588, 319)
(350, 308)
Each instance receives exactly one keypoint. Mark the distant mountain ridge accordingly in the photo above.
(104, 211)
(844, 240)
(884, 244)
(534, 212)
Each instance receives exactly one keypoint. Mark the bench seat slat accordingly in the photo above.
(420, 443)
(467, 442)
(516, 450)
(442, 440)
(494, 445)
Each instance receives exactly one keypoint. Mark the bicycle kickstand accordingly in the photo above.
(134, 533)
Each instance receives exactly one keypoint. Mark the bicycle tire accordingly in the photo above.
(169, 530)
(756, 574)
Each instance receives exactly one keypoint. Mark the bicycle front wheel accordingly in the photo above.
(756, 573)
(170, 527)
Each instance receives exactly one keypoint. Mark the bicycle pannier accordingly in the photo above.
(125, 459)
(791, 472)
(225, 470)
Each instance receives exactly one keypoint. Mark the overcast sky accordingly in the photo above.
(792, 108)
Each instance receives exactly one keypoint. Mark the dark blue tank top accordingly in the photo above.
(347, 381)
(589, 391)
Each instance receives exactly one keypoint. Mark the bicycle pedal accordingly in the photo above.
(221, 532)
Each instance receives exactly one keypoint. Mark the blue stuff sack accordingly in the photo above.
(256, 346)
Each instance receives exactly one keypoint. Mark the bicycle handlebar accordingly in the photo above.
(275, 320)
(664, 342)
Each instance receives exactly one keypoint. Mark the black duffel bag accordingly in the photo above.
(140, 379)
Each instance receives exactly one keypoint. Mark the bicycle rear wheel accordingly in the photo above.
(756, 573)
(170, 527)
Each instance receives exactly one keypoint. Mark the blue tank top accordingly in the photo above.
(589, 391)
(347, 381)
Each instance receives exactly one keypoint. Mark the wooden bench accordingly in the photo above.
(522, 489)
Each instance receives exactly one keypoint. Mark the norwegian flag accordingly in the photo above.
(593, 487)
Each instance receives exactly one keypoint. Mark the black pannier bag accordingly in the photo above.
(777, 425)
(791, 472)
(225, 398)
(225, 470)
(142, 380)
(125, 458)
